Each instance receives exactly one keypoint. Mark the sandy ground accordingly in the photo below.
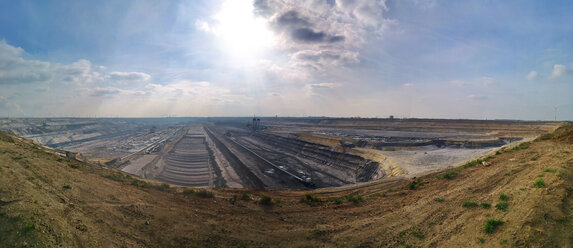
(46, 201)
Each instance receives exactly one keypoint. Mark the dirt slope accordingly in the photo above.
(48, 201)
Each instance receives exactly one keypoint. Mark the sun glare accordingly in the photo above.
(243, 36)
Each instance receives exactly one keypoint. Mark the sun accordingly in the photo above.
(243, 36)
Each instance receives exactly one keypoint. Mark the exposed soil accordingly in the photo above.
(50, 201)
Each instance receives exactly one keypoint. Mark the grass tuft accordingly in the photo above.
(67, 186)
(503, 197)
(469, 204)
(502, 206)
(539, 183)
(491, 225)
(485, 205)
(310, 200)
(266, 201)
(439, 199)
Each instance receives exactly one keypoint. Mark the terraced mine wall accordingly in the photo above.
(250, 180)
(322, 155)
(188, 163)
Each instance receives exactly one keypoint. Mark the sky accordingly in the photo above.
(343, 58)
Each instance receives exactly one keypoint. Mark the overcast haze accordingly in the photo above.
(418, 58)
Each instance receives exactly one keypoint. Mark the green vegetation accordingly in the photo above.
(234, 199)
(469, 204)
(481, 240)
(336, 200)
(164, 187)
(141, 184)
(188, 191)
(541, 175)
(418, 234)
(75, 166)
(310, 200)
(560, 174)
(547, 136)
(354, 198)
(245, 197)
(535, 158)
(439, 199)
(204, 193)
(502, 206)
(503, 197)
(450, 175)
(116, 176)
(491, 225)
(550, 170)
(266, 201)
(67, 186)
(60, 159)
(539, 183)
(485, 205)
(415, 184)
(508, 173)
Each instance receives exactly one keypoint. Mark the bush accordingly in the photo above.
(141, 184)
(245, 197)
(188, 191)
(450, 175)
(491, 225)
(547, 136)
(481, 240)
(75, 166)
(502, 206)
(266, 201)
(503, 197)
(439, 199)
(524, 145)
(310, 200)
(469, 204)
(550, 170)
(164, 187)
(354, 199)
(336, 200)
(485, 205)
(67, 186)
(539, 183)
(204, 193)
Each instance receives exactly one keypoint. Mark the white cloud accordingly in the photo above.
(532, 75)
(408, 85)
(16, 70)
(558, 71)
(477, 97)
(129, 76)
(202, 25)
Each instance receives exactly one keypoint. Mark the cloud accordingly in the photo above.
(16, 70)
(322, 34)
(477, 97)
(532, 75)
(558, 71)
(129, 76)
(104, 91)
(408, 85)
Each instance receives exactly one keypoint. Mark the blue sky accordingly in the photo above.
(411, 58)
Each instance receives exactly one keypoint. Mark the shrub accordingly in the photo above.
(481, 240)
(524, 145)
(266, 201)
(164, 187)
(418, 234)
(450, 175)
(353, 198)
(547, 136)
(502, 206)
(485, 205)
(439, 199)
(139, 183)
(551, 170)
(491, 225)
(234, 199)
(503, 197)
(310, 200)
(415, 184)
(67, 186)
(245, 197)
(539, 183)
(75, 166)
(336, 200)
(188, 191)
(204, 193)
(469, 204)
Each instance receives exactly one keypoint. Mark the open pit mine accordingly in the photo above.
(275, 153)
